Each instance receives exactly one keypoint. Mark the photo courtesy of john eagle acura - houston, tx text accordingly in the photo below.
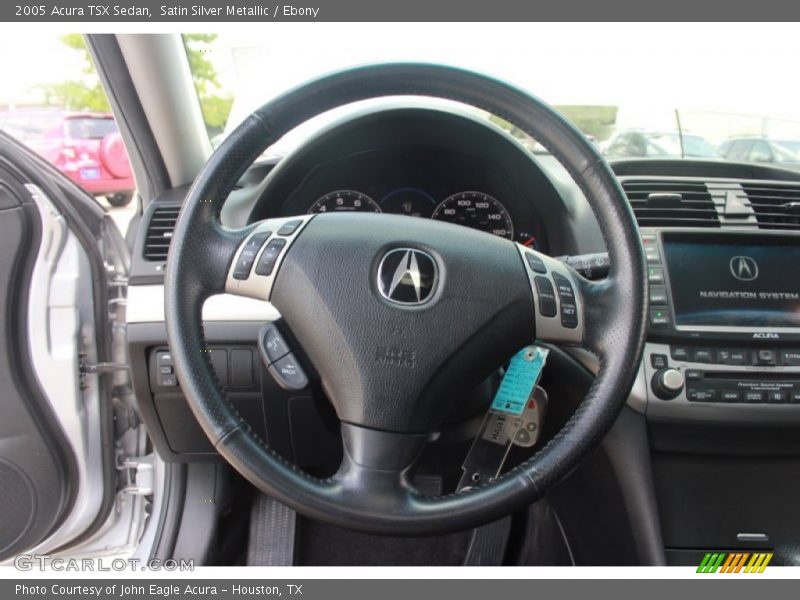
(341, 294)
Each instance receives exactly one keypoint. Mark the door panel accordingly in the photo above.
(37, 465)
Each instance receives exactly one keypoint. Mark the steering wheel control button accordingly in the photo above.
(288, 374)
(569, 309)
(290, 227)
(547, 297)
(165, 376)
(659, 318)
(271, 344)
(667, 383)
(269, 257)
(535, 263)
(247, 257)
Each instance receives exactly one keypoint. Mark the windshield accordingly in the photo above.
(635, 90)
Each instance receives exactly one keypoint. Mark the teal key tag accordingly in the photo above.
(506, 418)
(520, 380)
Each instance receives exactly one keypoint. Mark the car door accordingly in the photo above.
(64, 417)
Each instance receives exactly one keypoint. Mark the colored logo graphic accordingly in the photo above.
(734, 562)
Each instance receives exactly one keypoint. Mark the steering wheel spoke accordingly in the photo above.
(375, 465)
(257, 258)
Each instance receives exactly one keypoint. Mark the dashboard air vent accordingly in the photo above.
(776, 205)
(667, 203)
(159, 232)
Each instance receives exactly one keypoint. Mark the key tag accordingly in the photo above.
(518, 405)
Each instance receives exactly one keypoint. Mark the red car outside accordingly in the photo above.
(87, 147)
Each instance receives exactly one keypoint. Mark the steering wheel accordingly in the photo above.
(396, 314)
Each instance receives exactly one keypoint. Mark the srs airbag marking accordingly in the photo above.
(396, 357)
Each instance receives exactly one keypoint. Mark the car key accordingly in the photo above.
(506, 417)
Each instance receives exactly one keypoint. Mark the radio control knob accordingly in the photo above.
(667, 383)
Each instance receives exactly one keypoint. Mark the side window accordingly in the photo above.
(57, 107)
(760, 152)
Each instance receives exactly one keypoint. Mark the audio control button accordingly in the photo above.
(753, 397)
(667, 383)
(695, 395)
(777, 397)
(730, 396)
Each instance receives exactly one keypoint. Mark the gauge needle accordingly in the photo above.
(529, 242)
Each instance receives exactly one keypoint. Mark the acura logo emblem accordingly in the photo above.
(407, 276)
(744, 268)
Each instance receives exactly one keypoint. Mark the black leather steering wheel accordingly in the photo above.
(386, 357)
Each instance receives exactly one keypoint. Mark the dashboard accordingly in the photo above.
(421, 164)
(421, 182)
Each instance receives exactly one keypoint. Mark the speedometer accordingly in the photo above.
(345, 200)
(476, 210)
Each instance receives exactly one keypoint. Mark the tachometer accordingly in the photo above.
(344, 200)
(476, 210)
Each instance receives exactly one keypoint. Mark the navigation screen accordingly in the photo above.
(737, 285)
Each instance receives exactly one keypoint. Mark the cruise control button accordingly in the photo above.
(569, 315)
(290, 227)
(547, 297)
(272, 344)
(535, 263)
(564, 288)
(269, 257)
(288, 374)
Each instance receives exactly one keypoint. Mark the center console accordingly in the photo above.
(724, 325)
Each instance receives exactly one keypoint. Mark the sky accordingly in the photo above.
(646, 68)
